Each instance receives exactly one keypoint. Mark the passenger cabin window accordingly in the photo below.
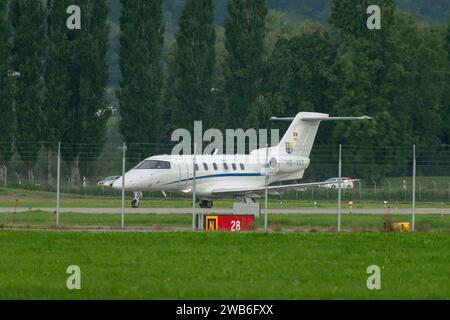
(234, 166)
(242, 166)
(215, 166)
(225, 166)
(205, 166)
(153, 164)
(196, 167)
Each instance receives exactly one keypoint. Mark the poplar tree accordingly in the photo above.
(244, 65)
(374, 75)
(86, 111)
(56, 77)
(7, 118)
(141, 41)
(28, 21)
(194, 61)
(299, 78)
(446, 94)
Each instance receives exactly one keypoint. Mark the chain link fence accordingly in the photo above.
(379, 179)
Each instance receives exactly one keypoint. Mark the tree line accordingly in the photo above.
(258, 65)
(53, 80)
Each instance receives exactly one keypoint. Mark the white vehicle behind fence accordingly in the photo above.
(334, 183)
(108, 181)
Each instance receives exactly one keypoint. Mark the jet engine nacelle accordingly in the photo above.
(288, 164)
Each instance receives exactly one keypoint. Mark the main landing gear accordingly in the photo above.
(136, 199)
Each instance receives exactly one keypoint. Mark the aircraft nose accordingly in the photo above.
(131, 182)
(117, 184)
(128, 183)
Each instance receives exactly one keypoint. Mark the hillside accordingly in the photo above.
(436, 12)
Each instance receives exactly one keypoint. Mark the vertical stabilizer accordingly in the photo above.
(299, 137)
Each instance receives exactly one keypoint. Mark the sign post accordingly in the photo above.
(58, 177)
(193, 188)
(339, 187)
(122, 221)
(266, 171)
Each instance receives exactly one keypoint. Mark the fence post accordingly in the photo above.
(266, 183)
(58, 178)
(193, 187)
(339, 187)
(122, 216)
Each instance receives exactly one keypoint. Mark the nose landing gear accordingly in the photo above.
(136, 199)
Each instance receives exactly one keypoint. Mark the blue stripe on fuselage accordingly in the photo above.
(218, 176)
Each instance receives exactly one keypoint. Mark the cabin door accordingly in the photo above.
(184, 173)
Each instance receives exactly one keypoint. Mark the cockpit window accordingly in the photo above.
(153, 164)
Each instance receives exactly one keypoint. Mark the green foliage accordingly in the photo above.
(448, 40)
(194, 64)
(436, 11)
(393, 75)
(140, 62)
(373, 77)
(28, 21)
(350, 17)
(87, 111)
(268, 63)
(429, 86)
(244, 66)
(446, 95)
(7, 114)
(57, 80)
(299, 76)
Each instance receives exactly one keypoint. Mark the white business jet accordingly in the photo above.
(233, 176)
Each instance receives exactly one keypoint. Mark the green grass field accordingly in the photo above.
(276, 222)
(42, 199)
(223, 265)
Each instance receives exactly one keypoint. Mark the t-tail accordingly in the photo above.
(299, 137)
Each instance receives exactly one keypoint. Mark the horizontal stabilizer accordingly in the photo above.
(322, 118)
(336, 118)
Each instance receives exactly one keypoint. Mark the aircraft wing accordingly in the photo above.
(270, 189)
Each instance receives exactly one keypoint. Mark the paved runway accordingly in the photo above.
(230, 211)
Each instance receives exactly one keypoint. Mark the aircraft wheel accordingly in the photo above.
(135, 203)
